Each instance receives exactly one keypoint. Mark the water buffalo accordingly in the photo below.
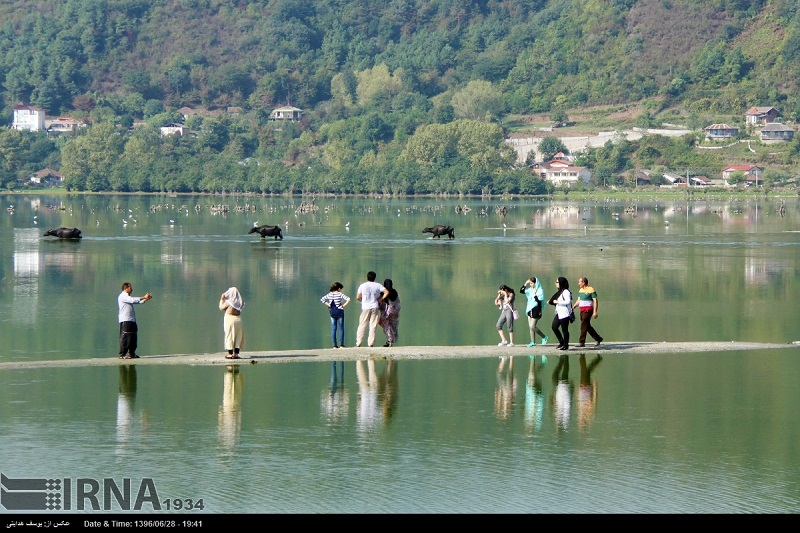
(268, 231)
(441, 230)
(64, 233)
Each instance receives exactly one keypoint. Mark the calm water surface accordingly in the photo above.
(710, 432)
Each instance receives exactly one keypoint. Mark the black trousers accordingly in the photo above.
(128, 338)
(563, 335)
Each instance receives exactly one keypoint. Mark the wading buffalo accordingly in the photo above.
(64, 233)
(438, 231)
(268, 231)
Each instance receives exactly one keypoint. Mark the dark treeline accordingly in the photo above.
(404, 96)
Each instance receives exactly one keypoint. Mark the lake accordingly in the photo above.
(687, 433)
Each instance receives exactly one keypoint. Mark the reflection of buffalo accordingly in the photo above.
(268, 231)
(64, 233)
(441, 230)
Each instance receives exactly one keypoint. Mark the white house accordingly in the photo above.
(47, 176)
(28, 118)
(174, 129)
(63, 125)
(752, 173)
(286, 113)
(562, 173)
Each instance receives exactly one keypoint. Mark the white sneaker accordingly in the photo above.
(502, 343)
(510, 344)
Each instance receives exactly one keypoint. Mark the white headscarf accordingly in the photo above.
(234, 299)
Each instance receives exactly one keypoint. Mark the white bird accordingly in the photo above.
(347, 225)
(171, 221)
(255, 224)
(124, 222)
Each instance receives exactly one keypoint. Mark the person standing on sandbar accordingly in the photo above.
(231, 302)
(370, 293)
(128, 330)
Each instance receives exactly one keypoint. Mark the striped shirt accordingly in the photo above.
(586, 296)
(335, 298)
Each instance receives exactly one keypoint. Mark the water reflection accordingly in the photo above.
(534, 395)
(334, 399)
(377, 394)
(127, 419)
(562, 393)
(506, 390)
(230, 412)
(587, 392)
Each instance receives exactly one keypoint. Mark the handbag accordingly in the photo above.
(536, 312)
(571, 315)
(336, 312)
(515, 314)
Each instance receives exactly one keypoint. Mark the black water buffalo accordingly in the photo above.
(268, 231)
(438, 231)
(64, 233)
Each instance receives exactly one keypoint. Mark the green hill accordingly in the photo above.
(369, 75)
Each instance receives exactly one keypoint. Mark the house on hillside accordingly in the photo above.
(674, 180)
(47, 176)
(702, 181)
(63, 125)
(776, 132)
(640, 177)
(174, 129)
(561, 156)
(760, 115)
(752, 173)
(286, 113)
(717, 132)
(562, 173)
(28, 118)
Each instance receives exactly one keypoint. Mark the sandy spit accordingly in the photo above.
(400, 353)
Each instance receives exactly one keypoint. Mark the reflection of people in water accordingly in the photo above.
(377, 393)
(562, 393)
(229, 422)
(334, 400)
(587, 392)
(534, 397)
(506, 390)
(125, 404)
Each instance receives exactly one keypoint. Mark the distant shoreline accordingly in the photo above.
(697, 193)
(400, 353)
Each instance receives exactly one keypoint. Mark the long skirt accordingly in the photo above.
(234, 331)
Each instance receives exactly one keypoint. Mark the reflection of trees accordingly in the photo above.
(506, 390)
(587, 392)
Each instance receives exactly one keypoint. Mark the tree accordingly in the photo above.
(88, 160)
(477, 101)
(550, 146)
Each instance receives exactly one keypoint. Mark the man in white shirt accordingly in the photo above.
(369, 294)
(128, 330)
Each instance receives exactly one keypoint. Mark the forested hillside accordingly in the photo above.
(401, 90)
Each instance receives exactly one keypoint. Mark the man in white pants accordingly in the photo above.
(370, 293)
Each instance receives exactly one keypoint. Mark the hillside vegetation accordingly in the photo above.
(402, 96)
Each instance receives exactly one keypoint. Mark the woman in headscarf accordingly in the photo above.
(535, 294)
(562, 299)
(232, 303)
(390, 313)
